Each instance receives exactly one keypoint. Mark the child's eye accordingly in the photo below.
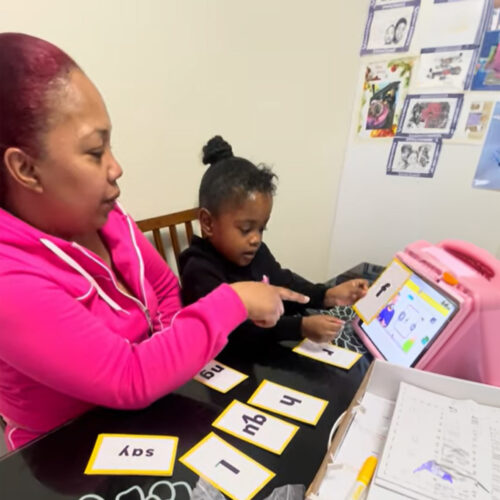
(96, 154)
(244, 230)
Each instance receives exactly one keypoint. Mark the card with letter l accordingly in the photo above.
(288, 402)
(225, 467)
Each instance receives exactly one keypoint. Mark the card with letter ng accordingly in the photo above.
(256, 427)
(219, 376)
(225, 467)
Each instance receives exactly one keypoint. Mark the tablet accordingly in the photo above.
(410, 322)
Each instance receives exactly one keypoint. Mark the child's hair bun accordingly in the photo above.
(216, 149)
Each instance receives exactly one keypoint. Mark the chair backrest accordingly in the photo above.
(170, 221)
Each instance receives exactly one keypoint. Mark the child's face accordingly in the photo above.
(236, 233)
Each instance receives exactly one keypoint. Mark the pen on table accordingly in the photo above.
(365, 474)
(265, 279)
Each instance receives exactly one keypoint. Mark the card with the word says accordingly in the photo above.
(256, 427)
(219, 376)
(288, 402)
(327, 353)
(225, 467)
(134, 454)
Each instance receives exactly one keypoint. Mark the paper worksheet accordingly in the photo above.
(439, 447)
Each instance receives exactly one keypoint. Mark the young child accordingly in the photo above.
(235, 200)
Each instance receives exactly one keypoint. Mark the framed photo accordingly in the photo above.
(448, 23)
(393, 3)
(495, 20)
(430, 114)
(389, 28)
(446, 67)
(487, 174)
(413, 157)
(474, 119)
(385, 86)
(487, 76)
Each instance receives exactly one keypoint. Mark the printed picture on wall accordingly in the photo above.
(448, 23)
(430, 114)
(487, 76)
(495, 20)
(445, 68)
(413, 157)
(389, 29)
(474, 120)
(384, 88)
(487, 174)
(375, 3)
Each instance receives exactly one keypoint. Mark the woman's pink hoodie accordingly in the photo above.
(70, 339)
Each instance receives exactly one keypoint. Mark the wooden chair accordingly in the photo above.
(170, 221)
(3, 447)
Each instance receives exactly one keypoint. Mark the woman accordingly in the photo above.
(89, 312)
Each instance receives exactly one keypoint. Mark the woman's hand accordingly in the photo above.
(321, 327)
(346, 294)
(263, 302)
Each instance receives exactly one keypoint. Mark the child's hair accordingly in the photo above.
(401, 20)
(230, 179)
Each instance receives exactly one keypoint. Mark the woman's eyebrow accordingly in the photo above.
(104, 133)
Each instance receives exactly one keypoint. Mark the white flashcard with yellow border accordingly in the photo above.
(219, 376)
(328, 353)
(386, 286)
(288, 402)
(225, 467)
(256, 427)
(132, 454)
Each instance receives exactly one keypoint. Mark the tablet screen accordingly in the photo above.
(409, 323)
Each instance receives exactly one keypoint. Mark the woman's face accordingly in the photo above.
(77, 170)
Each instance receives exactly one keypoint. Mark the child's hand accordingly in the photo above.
(321, 327)
(346, 294)
(263, 302)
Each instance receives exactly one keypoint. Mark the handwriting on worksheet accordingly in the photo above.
(439, 447)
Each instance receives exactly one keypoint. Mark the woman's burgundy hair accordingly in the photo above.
(28, 66)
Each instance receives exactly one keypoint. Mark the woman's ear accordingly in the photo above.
(21, 168)
(206, 222)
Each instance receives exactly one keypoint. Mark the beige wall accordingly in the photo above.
(274, 77)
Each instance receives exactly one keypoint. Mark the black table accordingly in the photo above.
(52, 467)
